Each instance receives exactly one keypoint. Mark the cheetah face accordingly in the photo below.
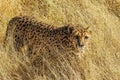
(81, 38)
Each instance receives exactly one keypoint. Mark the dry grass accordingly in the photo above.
(100, 62)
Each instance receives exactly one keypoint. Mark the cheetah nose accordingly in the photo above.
(81, 45)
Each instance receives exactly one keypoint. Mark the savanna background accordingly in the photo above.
(100, 62)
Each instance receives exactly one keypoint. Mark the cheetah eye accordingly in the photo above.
(86, 37)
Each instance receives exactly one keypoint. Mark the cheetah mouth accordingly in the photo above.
(80, 48)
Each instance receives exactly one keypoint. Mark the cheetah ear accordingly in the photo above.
(70, 29)
(87, 28)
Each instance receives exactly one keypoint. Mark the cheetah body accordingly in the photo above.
(38, 36)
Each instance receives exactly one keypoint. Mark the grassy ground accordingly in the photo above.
(100, 62)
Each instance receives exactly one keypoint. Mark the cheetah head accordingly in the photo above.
(80, 38)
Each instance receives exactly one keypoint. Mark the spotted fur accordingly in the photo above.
(39, 36)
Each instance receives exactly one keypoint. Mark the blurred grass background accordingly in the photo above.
(100, 62)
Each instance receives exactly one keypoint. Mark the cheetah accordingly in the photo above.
(37, 36)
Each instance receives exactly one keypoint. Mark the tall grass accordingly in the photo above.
(100, 62)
